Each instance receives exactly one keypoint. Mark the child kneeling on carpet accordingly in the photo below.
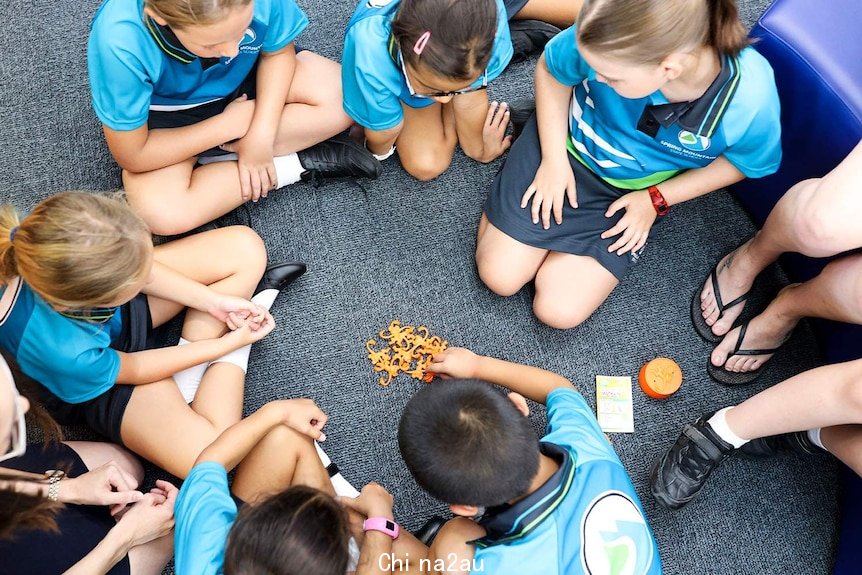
(415, 74)
(562, 504)
(280, 515)
(643, 104)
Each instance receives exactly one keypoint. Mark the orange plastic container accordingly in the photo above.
(660, 377)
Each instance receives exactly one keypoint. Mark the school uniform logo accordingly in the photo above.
(615, 536)
(693, 142)
(249, 43)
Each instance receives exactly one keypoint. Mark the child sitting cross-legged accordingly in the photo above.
(562, 504)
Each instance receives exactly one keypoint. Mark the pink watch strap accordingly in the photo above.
(383, 525)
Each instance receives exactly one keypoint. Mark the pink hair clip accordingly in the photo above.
(420, 44)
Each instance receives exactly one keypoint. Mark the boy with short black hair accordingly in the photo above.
(560, 505)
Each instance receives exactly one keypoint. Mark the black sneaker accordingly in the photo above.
(796, 442)
(520, 112)
(529, 37)
(682, 471)
(279, 276)
(338, 157)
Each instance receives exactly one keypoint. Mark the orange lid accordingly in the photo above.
(660, 377)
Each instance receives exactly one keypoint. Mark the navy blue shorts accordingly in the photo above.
(82, 527)
(104, 414)
(580, 232)
(514, 6)
(180, 118)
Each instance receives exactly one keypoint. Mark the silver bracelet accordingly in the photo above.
(54, 476)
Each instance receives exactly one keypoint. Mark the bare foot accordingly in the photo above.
(766, 331)
(735, 277)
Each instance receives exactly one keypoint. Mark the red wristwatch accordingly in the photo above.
(658, 201)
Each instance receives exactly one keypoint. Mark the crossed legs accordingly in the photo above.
(312, 114)
(158, 424)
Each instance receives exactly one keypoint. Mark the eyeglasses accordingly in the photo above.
(430, 95)
(18, 436)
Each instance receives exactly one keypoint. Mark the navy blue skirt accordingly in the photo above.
(580, 232)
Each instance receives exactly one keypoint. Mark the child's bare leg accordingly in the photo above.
(229, 260)
(845, 443)
(504, 263)
(817, 218)
(570, 288)
(160, 427)
(151, 558)
(178, 198)
(822, 397)
(283, 458)
(835, 294)
(95, 454)
(560, 14)
(427, 141)
(314, 109)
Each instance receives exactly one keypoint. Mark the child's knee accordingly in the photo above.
(559, 315)
(426, 165)
(249, 250)
(497, 280)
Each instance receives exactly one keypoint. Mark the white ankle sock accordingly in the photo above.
(265, 298)
(189, 379)
(339, 483)
(238, 357)
(288, 169)
(814, 437)
(718, 422)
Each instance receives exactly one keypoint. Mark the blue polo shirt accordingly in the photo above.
(205, 513)
(636, 143)
(136, 65)
(373, 83)
(585, 519)
(71, 357)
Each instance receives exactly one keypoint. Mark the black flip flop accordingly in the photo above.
(703, 329)
(733, 378)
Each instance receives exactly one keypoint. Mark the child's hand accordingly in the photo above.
(256, 170)
(152, 517)
(247, 333)
(238, 115)
(304, 416)
(455, 362)
(634, 225)
(553, 180)
(373, 501)
(494, 138)
(229, 309)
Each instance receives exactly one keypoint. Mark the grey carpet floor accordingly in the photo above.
(397, 248)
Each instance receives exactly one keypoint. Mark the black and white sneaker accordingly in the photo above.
(681, 472)
(796, 442)
(337, 157)
(529, 37)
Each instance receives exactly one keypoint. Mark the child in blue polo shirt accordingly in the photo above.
(178, 83)
(557, 506)
(81, 290)
(640, 106)
(414, 74)
(280, 515)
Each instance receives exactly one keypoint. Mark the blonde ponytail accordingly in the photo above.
(77, 250)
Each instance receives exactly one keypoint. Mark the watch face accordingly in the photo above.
(390, 526)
